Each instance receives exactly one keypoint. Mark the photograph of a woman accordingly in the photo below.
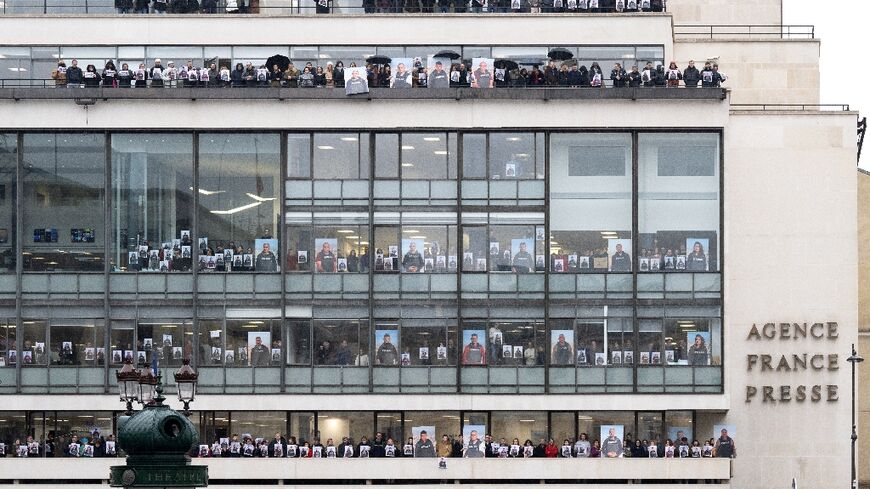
(696, 260)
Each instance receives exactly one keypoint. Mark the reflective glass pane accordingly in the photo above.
(64, 192)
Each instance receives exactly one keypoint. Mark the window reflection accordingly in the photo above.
(8, 179)
(238, 200)
(64, 188)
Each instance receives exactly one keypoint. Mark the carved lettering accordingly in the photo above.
(754, 334)
(801, 395)
(784, 393)
(769, 331)
(833, 396)
(750, 393)
(767, 394)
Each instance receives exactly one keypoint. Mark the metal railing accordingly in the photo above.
(762, 31)
(791, 107)
(289, 7)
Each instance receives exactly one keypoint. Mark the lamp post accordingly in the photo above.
(185, 383)
(854, 359)
(128, 385)
(156, 438)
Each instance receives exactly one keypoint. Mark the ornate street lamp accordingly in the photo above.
(157, 438)
(147, 386)
(128, 384)
(185, 381)
(854, 359)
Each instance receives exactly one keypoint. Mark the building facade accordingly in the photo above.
(528, 262)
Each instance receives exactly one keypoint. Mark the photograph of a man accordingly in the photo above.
(260, 354)
(412, 261)
(387, 354)
(402, 77)
(356, 82)
(474, 352)
(325, 261)
(438, 76)
(482, 76)
(266, 260)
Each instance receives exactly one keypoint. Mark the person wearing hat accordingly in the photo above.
(439, 78)
(156, 74)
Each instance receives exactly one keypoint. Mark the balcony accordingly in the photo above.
(423, 473)
(90, 96)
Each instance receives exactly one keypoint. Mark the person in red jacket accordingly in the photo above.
(551, 451)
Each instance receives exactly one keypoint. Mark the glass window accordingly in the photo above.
(239, 185)
(526, 425)
(120, 342)
(64, 191)
(650, 426)
(429, 342)
(514, 248)
(475, 248)
(211, 342)
(7, 341)
(512, 156)
(337, 425)
(562, 426)
(474, 155)
(387, 257)
(678, 201)
(591, 423)
(387, 155)
(298, 156)
(13, 424)
(680, 424)
(298, 341)
(428, 249)
(445, 423)
(429, 156)
(351, 249)
(152, 200)
(390, 424)
(80, 424)
(341, 156)
(75, 341)
(692, 341)
(649, 342)
(590, 203)
(301, 427)
(516, 343)
(259, 424)
(253, 343)
(33, 334)
(605, 336)
(342, 343)
(478, 421)
(8, 179)
(170, 340)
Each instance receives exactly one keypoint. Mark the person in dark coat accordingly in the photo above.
(691, 75)
(124, 6)
(583, 73)
(92, 78)
(661, 79)
(156, 74)
(74, 75)
(574, 77)
(237, 76)
(634, 79)
(551, 74)
(618, 76)
(141, 6)
(110, 75)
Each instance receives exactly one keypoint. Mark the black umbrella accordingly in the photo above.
(379, 60)
(448, 54)
(279, 59)
(506, 64)
(560, 53)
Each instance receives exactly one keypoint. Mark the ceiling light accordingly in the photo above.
(512, 139)
(432, 140)
(441, 152)
(349, 139)
(522, 155)
(407, 165)
(326, 147)
(413, 231)
(237, 209)
(407, 146)
(346, 231)
(353, 237)
(260, 199)
(418, 237)
(208, 192)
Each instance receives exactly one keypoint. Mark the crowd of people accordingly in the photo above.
(88, 445)
(566, 74)
(393, 6)
(382, 446)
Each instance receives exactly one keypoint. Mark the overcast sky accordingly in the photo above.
(843, 27)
